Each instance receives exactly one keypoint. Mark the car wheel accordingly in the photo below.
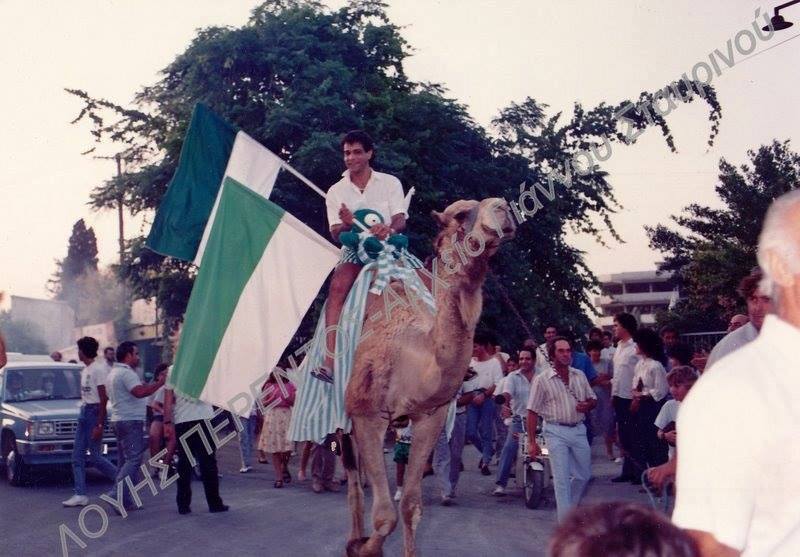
(16, 469)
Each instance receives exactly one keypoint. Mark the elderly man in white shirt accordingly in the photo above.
(562, 397)
(740, 442)
(758, 306)
(360, 188)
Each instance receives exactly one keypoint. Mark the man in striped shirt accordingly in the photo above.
(562, 397)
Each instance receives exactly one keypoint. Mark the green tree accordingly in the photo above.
(297, 75)
(22, 335)
(81, 258)
(713, 249)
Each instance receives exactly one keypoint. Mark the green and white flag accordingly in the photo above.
(260, 267)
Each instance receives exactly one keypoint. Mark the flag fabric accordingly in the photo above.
(212, 150)
(261, 269)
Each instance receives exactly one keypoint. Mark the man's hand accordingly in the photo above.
(478, 399)
(671, 437)
(583, 407)
(533, 449)
(97, 432)
(169, 432)
(380, 231)
(635, 404)
(345, 215)
(505, 411)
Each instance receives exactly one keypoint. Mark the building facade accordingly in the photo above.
(641, 293)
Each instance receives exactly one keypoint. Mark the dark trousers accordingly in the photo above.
(206, 460)
(648, 449)
(622, 411)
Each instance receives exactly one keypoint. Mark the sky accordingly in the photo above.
(487, 53)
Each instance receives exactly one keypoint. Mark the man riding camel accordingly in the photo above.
(361, 187)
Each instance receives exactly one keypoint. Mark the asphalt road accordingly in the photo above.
(277, 522)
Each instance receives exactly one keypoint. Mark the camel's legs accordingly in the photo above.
(355, 497)
(369, 433)
(426, 429)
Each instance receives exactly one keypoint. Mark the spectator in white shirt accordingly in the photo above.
(738, 468)
(542, 358)
(91, 423)
(648, 388)
(680, 380)
(624, 363)
(608, 346)
(480, 412)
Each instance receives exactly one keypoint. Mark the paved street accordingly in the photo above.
(278, 522)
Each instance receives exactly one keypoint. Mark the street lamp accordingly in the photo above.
(777, 22)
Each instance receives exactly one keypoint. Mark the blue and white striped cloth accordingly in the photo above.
(319, 406)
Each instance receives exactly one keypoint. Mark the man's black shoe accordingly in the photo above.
(186, 510)
(621, 479)
(485, 470)
(220, 509)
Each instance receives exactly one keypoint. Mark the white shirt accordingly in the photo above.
(668, 414)
(732, 341)
(383, 193)
(608, 353)
(189, 410)
(653, 376)
(624, 362)
(739, 447)
(554, 401)
(490, 373)
(93, 376)
(517, 386)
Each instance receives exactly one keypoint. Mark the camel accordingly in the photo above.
(411, 366)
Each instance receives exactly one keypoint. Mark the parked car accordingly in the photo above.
(39, 411)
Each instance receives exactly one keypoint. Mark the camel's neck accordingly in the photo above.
(459, 301)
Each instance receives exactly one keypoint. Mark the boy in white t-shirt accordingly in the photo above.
(91, 422)
(680, 380)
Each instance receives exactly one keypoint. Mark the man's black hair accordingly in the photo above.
(681, 352)
(358, 136)
(484, 338)
(618, 529)
(668, 329)
(88, 346)
(594, 345)
(627, 322)
(124, 349)
(649, 343)
(551, 347)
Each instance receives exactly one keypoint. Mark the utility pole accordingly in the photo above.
(119, 211)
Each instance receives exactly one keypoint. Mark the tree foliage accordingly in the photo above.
(81, 257)
(95, 295)
(297, 75)
(713, 249)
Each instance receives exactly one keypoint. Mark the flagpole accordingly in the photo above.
(311, 185)
(302, 178)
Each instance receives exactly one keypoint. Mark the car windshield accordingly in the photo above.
(48, 383)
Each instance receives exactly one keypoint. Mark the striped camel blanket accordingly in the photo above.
(319, 406)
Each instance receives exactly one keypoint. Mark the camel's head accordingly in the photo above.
(481, 225)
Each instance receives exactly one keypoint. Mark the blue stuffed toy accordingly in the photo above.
(372, 246)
